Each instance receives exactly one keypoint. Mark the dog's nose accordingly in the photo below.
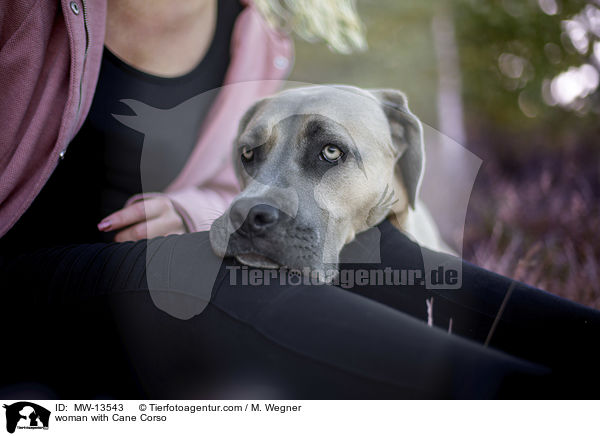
(254, 219)
(261, 217)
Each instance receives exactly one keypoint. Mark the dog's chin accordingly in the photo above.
(257, 261)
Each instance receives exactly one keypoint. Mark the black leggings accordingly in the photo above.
(80, 321)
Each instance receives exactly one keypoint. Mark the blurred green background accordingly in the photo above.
(515, 82)
(509, 51)
(400, 55)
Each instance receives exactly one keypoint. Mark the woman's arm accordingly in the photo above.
(190, 209)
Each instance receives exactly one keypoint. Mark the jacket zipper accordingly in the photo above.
(87, 44)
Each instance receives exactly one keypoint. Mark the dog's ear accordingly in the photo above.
(407, 138)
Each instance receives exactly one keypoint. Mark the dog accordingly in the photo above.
(318, 165)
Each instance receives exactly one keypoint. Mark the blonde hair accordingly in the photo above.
(334, 22)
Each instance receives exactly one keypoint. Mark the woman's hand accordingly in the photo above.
(144, 219)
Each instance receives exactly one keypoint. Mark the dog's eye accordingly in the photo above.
(331, 153)
(247, 155)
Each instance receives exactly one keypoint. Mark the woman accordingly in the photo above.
(162, 65)
(72, 174)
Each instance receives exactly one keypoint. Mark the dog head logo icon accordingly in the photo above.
(26, 415)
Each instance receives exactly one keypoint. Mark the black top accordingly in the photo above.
(139, 132)
(147, 126)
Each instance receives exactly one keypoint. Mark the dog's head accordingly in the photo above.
(317, 165)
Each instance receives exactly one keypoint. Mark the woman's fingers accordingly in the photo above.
(134, 213)
(133, 233)
(144, 219)
(166, 224)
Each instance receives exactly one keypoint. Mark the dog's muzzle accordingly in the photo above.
(255, 224)
(254, 220)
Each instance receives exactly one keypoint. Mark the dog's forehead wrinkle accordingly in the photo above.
(316, 124)
(254, 135)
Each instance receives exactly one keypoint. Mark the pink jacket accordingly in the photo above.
(50, 55)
